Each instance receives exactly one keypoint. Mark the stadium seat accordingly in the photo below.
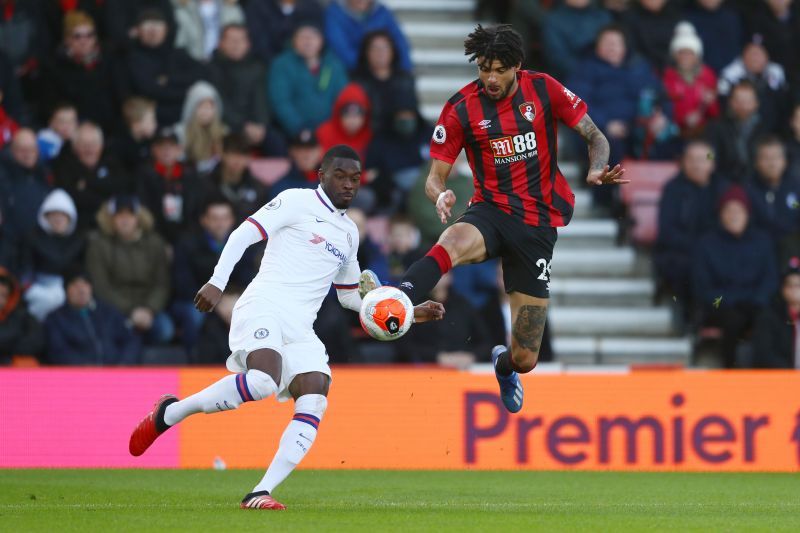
(642, 194)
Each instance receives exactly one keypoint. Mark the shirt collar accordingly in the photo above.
(327, 201)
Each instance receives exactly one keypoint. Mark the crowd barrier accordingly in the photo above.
(419, 418)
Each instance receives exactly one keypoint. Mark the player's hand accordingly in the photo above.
(428, 311)
(607, 176)
(207, 298)
(444, 204)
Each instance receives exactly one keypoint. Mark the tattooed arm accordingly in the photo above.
(599, 171)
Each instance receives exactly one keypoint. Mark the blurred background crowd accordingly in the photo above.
(137, 134)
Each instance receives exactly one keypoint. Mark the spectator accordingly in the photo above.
(13, 102)
(87, 331)
(733, 135)
(10, 253)
(50, 250)
(380, 75)
(273, 22)
(200, 23)
(304, 81)
(349, 123)
(89, 174)
(305, 156)
(20, 334)
(212, 347)
(128, 264)
(61, 129)
(767, 77)
(122, 19)
(81, 73)
(404, 246)
(686, 211)
(169, 189)
(24, 182)
(348, 21)
(691, 85)
(196, 255)
(132, 145)
(775, 196)
(232, 180)
(24, 39)
(733, 273)
(157, 70)
(777, 329)
(651, 24)
(793, 146)
(569, 31)
(56, 12)
(458, 341)
(778, 21)
(201, 130)
(239, 79)
(370, 255)
(720, 29)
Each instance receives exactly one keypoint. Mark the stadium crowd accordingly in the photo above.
(136, 135)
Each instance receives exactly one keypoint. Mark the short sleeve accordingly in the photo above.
(349, 272)
(282, 211)
(448, 136)
(566, 105)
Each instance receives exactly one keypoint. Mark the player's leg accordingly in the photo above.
(310, 391)
(528, 316)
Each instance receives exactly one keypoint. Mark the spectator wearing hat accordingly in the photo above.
(89, 174)
(733, 273)
(49, 251)
(20, 333)
(734, 134)
(24, 183)
(686, 211)
(132, 144)
(170, 189)
(232, 179)
(121, 20)
(349, 122)
(775, 196)
(569, 31)
(80, 73)
(201, 130)
(128, 264)
(155, 69)
(61, 128)
(776, 335)
(305, 156)
(348, 21)
(690, 85)
(87, 331)
(273, 22)
(720, 29)
(304, 81)
(200, 23)
(767, 77)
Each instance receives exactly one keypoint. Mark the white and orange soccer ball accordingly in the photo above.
(386, 313)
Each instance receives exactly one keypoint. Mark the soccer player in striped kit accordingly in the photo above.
(506, 121)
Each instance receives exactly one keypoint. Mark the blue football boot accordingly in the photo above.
(511, 391)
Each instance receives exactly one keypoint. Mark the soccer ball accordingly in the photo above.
(386, 313)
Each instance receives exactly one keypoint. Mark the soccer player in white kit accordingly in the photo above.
(311, 243)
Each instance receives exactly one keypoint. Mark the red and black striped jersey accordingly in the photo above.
(511, 146)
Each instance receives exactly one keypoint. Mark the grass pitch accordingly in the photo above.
(205, 500)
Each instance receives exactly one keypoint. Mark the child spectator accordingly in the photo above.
(20, 333)
(62, 126)
(200, 22)
(349, 123)
(201, 130)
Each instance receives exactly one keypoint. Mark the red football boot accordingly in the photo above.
(146, 431)
(261, 500)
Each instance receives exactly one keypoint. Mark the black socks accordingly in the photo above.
(503, 365)
(420, 279)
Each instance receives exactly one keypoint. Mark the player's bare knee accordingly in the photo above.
(462, 244)
(309, 383)
(267, 361)
(523, 361)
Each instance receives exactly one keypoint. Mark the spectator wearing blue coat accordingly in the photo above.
(24, 183)
(85, 331)
(304, 81)
(569, 31)
(734, 275)
(271, 23)
(774, 194)
(348, 21)
(720, 29)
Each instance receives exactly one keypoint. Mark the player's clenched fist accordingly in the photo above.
(428, 311)
(207, 298)
(444, 203)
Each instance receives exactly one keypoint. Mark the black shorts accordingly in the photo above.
(526, 251)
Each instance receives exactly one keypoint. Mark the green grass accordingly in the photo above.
(201, 500)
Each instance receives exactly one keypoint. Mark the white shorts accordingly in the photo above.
(250, 333)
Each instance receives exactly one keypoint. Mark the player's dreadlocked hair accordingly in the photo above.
(499, 42)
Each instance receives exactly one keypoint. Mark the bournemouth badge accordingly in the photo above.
(528, 111)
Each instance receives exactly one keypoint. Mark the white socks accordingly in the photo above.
(226, 394)
(296, 440)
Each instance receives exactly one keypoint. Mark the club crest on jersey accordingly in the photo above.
(261, 333)
(528, 110)
(439, 134)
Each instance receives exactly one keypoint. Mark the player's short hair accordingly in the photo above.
(499, 42)
(341, 151)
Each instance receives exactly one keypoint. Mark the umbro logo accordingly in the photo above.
(317, 239)
(485, 124)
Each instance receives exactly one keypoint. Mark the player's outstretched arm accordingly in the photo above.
(437, 191)
(599, 171)
(428, 311)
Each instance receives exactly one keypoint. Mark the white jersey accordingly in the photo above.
(310, 245)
